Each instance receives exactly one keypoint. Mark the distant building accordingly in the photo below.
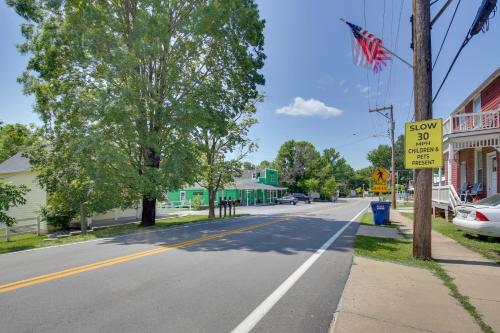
(252, 188)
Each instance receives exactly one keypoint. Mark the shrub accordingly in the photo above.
(57, 213)
(196, 201)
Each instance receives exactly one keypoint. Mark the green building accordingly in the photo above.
(252, 188)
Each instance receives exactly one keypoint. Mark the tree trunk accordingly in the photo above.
(83, 220)
(148, 211)
(151, 160)
(211, 202)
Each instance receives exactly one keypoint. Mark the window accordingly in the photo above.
(197, 193)
(476, 105)
(462, 120)
(182, 195)
(463, 173)
(478, 165)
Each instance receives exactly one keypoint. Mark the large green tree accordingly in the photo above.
(296, 161)
(13, 139)
(133, 77)
(10, 196)
(380, 157)
(223, 143)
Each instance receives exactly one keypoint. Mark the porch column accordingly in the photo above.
(440, 175)
(255, 197)
(451, 154)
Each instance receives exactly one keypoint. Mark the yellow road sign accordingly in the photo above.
(380, 188)
(424, 144)
(380, 175)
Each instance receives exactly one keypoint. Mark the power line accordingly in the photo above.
(382, 38)
(396, 44)
(446, 34)
(480, 23)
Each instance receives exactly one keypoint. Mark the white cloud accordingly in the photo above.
(310, 107)
(365, 89)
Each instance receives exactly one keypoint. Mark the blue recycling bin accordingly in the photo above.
(381, 212)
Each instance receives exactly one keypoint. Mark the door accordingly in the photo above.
(463, 173)
(182, 196)
(492, 173)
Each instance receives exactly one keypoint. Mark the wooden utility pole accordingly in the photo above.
(422, 91)
(393, 151)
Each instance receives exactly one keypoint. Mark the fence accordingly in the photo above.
(30, 225)
(170, 207)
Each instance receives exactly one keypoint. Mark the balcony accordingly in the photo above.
(471, 122)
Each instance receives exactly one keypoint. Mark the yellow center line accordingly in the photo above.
(105, 263)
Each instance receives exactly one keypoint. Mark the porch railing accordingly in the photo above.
(468, 122)
(446, 195)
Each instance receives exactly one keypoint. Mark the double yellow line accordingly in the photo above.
(100, 264)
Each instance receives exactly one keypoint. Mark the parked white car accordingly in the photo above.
(480, 218)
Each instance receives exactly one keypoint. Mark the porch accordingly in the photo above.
(471, 151)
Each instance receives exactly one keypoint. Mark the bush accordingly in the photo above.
(57, 213)
(196, 202)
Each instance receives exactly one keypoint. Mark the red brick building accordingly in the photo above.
(472, 140)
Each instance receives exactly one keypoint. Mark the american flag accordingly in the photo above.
(367, 49)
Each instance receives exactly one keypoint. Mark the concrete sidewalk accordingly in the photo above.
(475, 276)
(387, 297)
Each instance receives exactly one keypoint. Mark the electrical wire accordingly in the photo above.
(446, 34)
(382, 38)
(472, 31)
(396, 45)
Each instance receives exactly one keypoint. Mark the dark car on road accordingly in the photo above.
(302, 197)
(287, 199)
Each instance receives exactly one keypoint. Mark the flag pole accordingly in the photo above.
(385, 48)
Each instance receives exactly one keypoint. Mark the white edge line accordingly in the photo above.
(256, 315)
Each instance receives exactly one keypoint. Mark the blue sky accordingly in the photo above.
(309, 68)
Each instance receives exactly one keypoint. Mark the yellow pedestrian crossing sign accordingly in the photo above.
(380, 175)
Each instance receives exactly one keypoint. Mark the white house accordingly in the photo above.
(17, 170)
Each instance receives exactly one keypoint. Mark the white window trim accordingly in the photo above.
(180, 195)
(478, 99)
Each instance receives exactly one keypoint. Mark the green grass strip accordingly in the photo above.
(31, 241)
(400, 251)
(488, 247)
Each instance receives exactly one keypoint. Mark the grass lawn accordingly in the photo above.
(391, 249)
(404, 204)
(31, 241)
(367, 219)
(489, 247)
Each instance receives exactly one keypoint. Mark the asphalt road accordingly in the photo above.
(279, 272)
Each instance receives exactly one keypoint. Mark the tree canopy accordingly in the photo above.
(13, 139)
(10, 196)
(127, 82)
